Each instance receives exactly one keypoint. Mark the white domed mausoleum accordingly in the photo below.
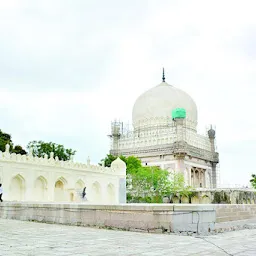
(165, 134)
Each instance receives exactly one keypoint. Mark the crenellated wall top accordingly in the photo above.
(55, 162)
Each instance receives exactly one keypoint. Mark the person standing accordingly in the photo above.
(1, 193)
(84, 194)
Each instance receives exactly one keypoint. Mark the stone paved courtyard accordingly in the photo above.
(29, 238)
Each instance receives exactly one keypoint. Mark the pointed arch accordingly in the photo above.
(42, 179)
(17, 188)
(63, 180)
(40, 189)
(111, 197)
(79, 184)
(205, 199)
(96, 192)
(60, 194)
(78, 193)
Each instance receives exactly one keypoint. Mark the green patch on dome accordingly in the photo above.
(178, 113)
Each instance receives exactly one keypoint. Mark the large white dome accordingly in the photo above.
(157, 104)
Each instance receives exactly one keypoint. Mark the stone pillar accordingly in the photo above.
(189, 176)
(180, 165)
(51, 187)
(214, 175)
(179, 129)
(28, 187)
(207, 178)
(203, 179)
(193, 179)
(199, 177)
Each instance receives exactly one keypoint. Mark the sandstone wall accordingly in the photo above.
(233, 212)
(134, 217)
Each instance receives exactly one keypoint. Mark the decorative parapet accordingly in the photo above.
(54, 162)
(156, 136)
(179, 147)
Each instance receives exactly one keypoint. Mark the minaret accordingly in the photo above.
(211, 135)
(116, 130)
(178, 116)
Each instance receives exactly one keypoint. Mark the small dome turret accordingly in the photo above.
(118, 164)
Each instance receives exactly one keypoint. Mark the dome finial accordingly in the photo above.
(163, 78)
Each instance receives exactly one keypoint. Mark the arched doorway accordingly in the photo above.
(40, 189)
(111, 194)
(96, 192)
(17, 188)
(79, 186)
(59, 190)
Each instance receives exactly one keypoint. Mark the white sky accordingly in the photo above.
(67, 68)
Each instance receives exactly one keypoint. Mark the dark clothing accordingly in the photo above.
(1, 198)
(84, 193)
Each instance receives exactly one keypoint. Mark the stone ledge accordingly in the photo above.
(166, 217)
(147, 217)
(120, 207)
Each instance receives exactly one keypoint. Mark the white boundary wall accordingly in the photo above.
(28, 178)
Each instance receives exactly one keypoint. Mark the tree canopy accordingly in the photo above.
(132, 163)
(149, 183)
(19, 150)
(41, 148)
(253, 181)
(6, 138)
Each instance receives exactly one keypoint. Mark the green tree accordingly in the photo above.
(6, 138)
(40, 148)
(19, 150)
(177, 184)
(132, 162)
(108, 160)
(253, 181)
(149, 182)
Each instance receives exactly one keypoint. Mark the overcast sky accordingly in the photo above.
(67, 68)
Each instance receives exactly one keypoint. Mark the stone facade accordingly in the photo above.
(235, 212)
(216, 196)
(28, 178)
(174, 144)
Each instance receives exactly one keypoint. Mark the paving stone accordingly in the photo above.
(36, 239)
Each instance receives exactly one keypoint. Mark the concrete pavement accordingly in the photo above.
(39, 239)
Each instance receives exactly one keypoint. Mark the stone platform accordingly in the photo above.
(156, 218)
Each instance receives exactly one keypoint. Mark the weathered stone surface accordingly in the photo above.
(231, 212)
(38, 239)
(217, 196)
(147, 217)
